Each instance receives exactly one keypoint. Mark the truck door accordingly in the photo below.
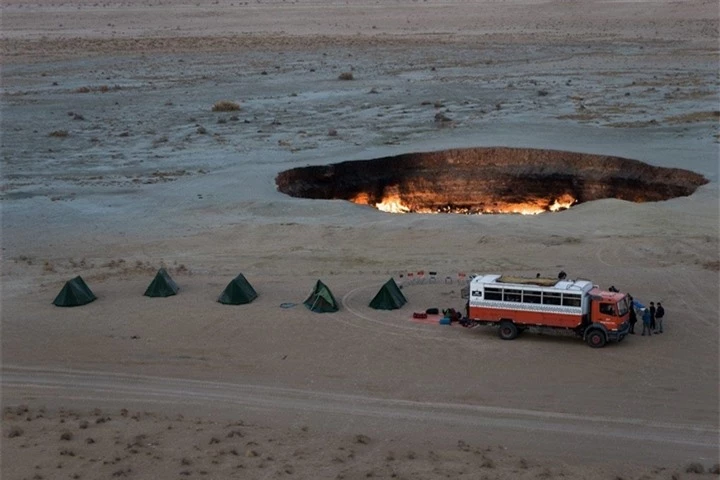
(607, 313)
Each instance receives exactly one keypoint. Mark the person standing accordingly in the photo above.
(659, 314)
(647, 318)
(633, 318)
(652, 316)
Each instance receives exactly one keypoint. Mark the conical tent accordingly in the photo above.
(162, 285)
(389, 297)
(321, 299)
(74, 293)
(238, 292)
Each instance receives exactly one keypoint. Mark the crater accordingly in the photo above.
(488, 180)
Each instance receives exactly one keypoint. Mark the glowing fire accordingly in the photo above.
(392, 203)
(564, 202)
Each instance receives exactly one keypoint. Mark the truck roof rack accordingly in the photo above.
(545, 282)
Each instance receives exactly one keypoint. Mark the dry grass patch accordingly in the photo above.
(712, 115)
(225, 106)
(99, 88)
(581, 117)
(713, 265)
(346, 76)
(59, 133)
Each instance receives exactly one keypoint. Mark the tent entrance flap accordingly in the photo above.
(321, 299)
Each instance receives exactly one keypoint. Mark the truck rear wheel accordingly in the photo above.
(508, 330)
(596, 338)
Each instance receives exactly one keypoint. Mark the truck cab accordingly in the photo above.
(609, 315)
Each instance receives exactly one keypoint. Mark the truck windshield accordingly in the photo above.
(622, 308)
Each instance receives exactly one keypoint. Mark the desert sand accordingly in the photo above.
(114, 164)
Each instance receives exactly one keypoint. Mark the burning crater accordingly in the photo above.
(488, 180)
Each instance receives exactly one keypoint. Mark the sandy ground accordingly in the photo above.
(113, 165)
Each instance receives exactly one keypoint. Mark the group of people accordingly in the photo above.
(652, 317)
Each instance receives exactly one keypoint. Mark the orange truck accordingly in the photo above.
(515, 304)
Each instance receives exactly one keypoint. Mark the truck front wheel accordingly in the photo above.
(508, 330)
(596, 338)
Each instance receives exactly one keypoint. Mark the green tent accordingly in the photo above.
(389, 297)
(238, 292)
(74, 293)
(321, 299)
(162, 285)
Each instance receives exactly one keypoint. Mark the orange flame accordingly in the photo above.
(563, 202)
(392, 203)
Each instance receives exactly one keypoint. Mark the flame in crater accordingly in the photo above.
(563, 202)
(392, 203)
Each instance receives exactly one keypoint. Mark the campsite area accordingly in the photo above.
(115, 165)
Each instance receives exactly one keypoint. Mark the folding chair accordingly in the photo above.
(432, 277)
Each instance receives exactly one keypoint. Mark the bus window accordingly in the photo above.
(570, 300)
(607, 309)
(493, 293)
(530, 296)
(511, 295)
(551, 298)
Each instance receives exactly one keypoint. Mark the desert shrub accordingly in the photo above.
(487, 463)
(713, 265)
(346, 76)
(15, 432)
(66, 436)
(59, 133)
(225, 106)
(100, 88)
(695, 468)
(363, 439)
